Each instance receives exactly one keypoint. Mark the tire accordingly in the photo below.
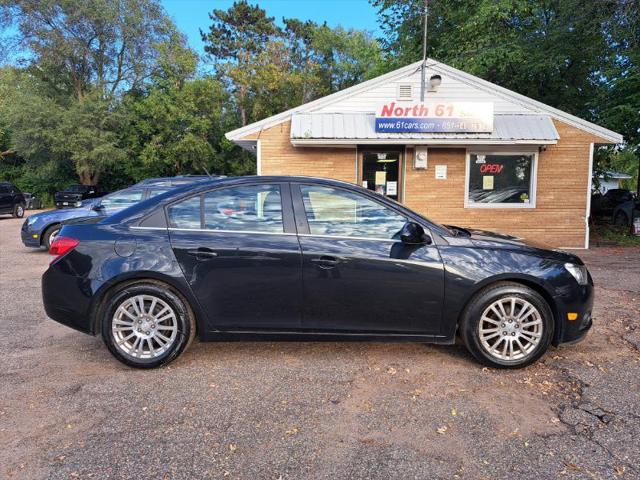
(18, 210)
(529, 339)
(49, 235)
(621, 220)
(139, 340)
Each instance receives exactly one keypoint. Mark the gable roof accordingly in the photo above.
(470, 80)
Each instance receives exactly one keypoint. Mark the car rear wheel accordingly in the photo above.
(146, 325)
(621, 220)
(507, 325)
(50, 235)
(18, 211)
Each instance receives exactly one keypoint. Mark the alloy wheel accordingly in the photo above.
(19, 210)
(144, 327)
(510, 329)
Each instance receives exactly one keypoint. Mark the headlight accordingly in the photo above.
(579, 272)
(31, 220)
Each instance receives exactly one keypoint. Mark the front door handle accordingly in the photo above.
(202, 253)
(326, 261)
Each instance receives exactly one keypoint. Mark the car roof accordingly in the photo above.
(173, 181)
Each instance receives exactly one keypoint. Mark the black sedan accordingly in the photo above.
(73, 195)
(307, 258)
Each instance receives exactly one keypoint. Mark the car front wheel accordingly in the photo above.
(146, 325)
(507, 325)
(50, 235)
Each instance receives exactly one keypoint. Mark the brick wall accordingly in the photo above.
(279, 157)
(563, 172)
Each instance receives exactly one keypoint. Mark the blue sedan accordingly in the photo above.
(40, 229)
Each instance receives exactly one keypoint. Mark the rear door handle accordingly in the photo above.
(326, 261)
(202, 253)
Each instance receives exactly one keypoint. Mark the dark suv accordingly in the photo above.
(12, 200)
(73, 195)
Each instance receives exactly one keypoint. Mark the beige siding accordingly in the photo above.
(563, 177)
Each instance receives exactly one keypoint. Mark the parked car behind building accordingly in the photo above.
(624, 213)
(12, 201)
(32, 202)
(40, 229)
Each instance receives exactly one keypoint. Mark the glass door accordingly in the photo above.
(380, 172)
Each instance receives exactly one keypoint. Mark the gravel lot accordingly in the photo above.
(316, 410)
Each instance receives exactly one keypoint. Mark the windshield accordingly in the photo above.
(76, 189)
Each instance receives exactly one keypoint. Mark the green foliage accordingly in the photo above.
(268, 69)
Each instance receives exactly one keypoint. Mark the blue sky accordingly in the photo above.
(191, 15)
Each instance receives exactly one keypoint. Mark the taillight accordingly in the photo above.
(62, 246)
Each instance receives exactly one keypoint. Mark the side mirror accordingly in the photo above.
(414, 233)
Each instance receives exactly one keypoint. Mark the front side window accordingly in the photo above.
(336, 212)
(501, 179)
(122, 199)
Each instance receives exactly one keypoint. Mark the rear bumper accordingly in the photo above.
(67, 297)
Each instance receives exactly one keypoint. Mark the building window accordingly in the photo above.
(501, 180)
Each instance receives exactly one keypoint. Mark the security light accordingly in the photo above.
(434, 82)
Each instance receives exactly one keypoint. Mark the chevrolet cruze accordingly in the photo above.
(307, 258)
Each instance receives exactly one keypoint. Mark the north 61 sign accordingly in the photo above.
(438, 117)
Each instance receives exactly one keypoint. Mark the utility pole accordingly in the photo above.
(424, 50)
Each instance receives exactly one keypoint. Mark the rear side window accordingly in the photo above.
(4, 189)
(255, 208)
(157, 191)
(185, 214)
(122, 199)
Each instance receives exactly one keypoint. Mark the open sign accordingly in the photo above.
(491, 168)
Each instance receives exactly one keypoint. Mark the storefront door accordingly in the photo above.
(381, 170)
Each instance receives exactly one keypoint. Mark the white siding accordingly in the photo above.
(451, 90)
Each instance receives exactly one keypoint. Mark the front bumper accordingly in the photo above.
(579, 304)
(30, 238)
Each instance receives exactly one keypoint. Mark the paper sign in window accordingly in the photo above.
(381, 178)
(487, 182)
(392, 188)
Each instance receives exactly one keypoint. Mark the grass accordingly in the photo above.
(611, 235)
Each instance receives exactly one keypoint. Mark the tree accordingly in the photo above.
(103, 45)
(81, 57)
(234, 38)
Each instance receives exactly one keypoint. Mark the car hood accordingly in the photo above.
(484, 238)
(65, 214)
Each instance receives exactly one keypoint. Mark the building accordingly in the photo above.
(612, 180)
(472, 154)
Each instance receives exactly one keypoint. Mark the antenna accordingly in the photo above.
(424, 50)
(207, 172)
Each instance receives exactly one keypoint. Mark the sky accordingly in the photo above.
(192, 15)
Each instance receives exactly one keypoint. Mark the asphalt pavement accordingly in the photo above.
(286, 410)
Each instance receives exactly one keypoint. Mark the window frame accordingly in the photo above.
(288, 222)
(533, 184)
(303, 224)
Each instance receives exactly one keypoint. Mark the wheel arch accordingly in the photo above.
(45, 229)
(528, 281)
(115, 284)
